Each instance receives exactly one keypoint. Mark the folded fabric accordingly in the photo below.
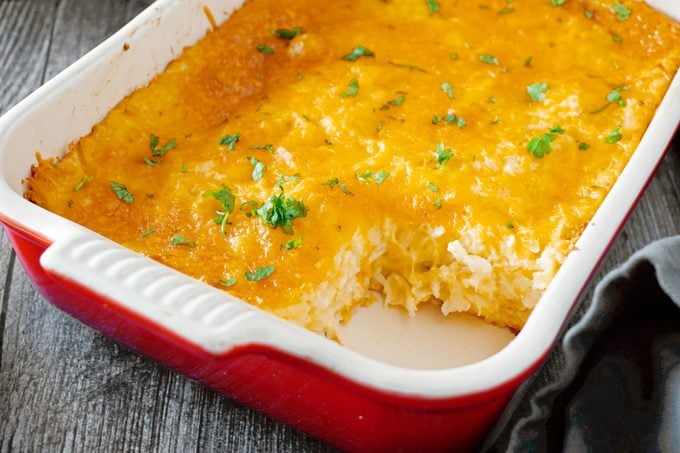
(613, 381)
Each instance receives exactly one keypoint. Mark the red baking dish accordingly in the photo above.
(298, 377)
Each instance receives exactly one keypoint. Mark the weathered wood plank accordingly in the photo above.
(63, 386)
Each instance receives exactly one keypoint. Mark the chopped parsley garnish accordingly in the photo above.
(397, 101)
(228, 282)
(121, 192)
(447, 89)
(265, 49)
(258, 168)
(368, 176)
(336, 182)
(583, 146)
(148, 232)
(352, 89)
(527, 62)
(507, 10)
(184, 168)
(230, 140)
(442, 154)
(589, 14)
(280, 211)
(616, 38)
(181, 240)
(509, 225)
(284, 179)
(82, 183)
(285, 33)
(489, 59)
(410, 67)
(449, 118)
(151, 162)
(260, 273)
(155, 141)
(622, 13)
(381, 176)
(437, 203)
(614, 136)
(614, 97)
(69, 202)
(541, 146)
(461, 122)
(491, 100)
(432, 5)
(433, 187)
(453, 56)
(292, 244)
(536, 91)
(268, 147)
(357, 52)
(227, 200)
(558, 2)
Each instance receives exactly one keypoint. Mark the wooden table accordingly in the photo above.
(65, 387)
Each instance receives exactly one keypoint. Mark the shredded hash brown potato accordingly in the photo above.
(310, 157)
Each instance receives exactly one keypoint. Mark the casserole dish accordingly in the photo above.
(292, 374)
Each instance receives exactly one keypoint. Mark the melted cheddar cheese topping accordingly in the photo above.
(309, 157)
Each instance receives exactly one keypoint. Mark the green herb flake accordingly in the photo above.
(527, 62)
(615, 96)
(336, 182)
(453, 56)
(280, 211)
(184, 168)
(160, 152)
(258, 168)
(284, 179)
(285, 33)
(260, 273)
(365, 176)
(614, 136)
(622, 13)
(509, 225)
(507, 10)
(227, 201)
(82, 183)
(542, 146)
(589, 14)
(352, 89)
(616, 38)
(447, 89)
(265, 49)
(292, 244)
(357, 52)
(449, 118)
(268, 147)
(461, 122)
(583, 146)
(433, 187)
(148, 232)
(558, 2)
(381, 176)
(536, 91)
(121, 192)
(437, 203)
(69, 202)
(397, 101)
(230, 140)
(180, 240)
(491, 100)
(442, 154)
(432, 5)
(151, 162)
(489, 59)
(228, 282)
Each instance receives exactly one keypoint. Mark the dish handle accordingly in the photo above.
(113, 276)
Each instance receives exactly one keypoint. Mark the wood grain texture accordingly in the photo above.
(65, 387)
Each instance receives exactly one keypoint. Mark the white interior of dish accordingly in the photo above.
(68, 106)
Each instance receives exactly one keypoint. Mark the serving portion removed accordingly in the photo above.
(310, 158)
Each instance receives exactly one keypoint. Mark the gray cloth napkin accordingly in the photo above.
(613, 381)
